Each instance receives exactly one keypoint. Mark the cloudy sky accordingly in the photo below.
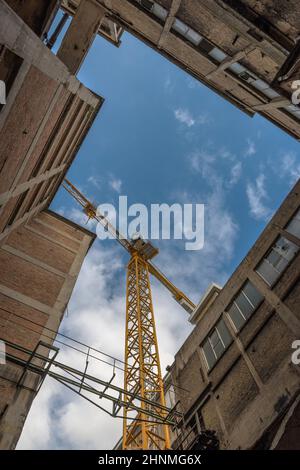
(160, 137)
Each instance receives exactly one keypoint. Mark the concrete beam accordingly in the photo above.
(37, 136)
(286, 315)
(80, 34)
(275, 103)
(230, 60)
(243, 352)
(23, 219)
(169, 22)
(30, 184)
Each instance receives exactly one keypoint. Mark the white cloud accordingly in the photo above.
(227, 155)
(204, 119)
(61, 419)
(258, 198)
(185, 117)
(95, 181)
(38, 422)
(169, 85)
(202, 162)
(290, 167)
(112, 181)
(251, 148)
(222, 230)
(235, 173)
(206, 163)
(199, 269)
(192, 83)
(115, 184)
(78, 216)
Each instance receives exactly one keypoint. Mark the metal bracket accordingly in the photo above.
(35, 355)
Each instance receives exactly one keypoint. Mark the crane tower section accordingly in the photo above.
(142, 364)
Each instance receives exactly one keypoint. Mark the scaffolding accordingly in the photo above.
(91, 388)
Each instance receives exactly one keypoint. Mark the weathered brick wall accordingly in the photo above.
(254, 382)
(47, 114)
(20, 128)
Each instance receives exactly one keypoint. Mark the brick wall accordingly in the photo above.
(40, 262)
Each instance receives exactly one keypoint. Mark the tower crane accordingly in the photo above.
(142, 365)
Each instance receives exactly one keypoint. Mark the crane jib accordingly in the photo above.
(144, 248)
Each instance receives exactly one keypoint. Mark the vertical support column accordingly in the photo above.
(80, 34)
(142, 366)
(286, 315)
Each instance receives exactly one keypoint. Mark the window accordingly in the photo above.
(276, 261)
(237, 68)
(206, 46)
(193, 36)
(187, 32)
(216, 343)
(270, 93)
(244, 305)
(155, 8)
(170, 397)
(293, 226)
(147, 4)
(160, 12)
(293, 109)
(247, 77)
(180, 27)
(217, 54)
(252, 79)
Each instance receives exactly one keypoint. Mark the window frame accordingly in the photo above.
(296, 216)
(233, 302)
(268, 252)
(207, 339)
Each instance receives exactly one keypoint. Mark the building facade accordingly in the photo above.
(235, 47)
(47, 114)
(235, 375)
(44, 117)
(40, 262)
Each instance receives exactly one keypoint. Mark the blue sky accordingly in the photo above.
(161, 134)
(160, 137)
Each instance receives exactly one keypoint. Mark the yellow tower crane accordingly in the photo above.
(142, 374)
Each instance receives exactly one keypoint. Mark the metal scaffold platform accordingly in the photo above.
(42, 362)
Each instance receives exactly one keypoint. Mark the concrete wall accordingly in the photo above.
(40, 262)
(254, 384)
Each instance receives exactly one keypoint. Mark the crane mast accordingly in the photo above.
(142, 374)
